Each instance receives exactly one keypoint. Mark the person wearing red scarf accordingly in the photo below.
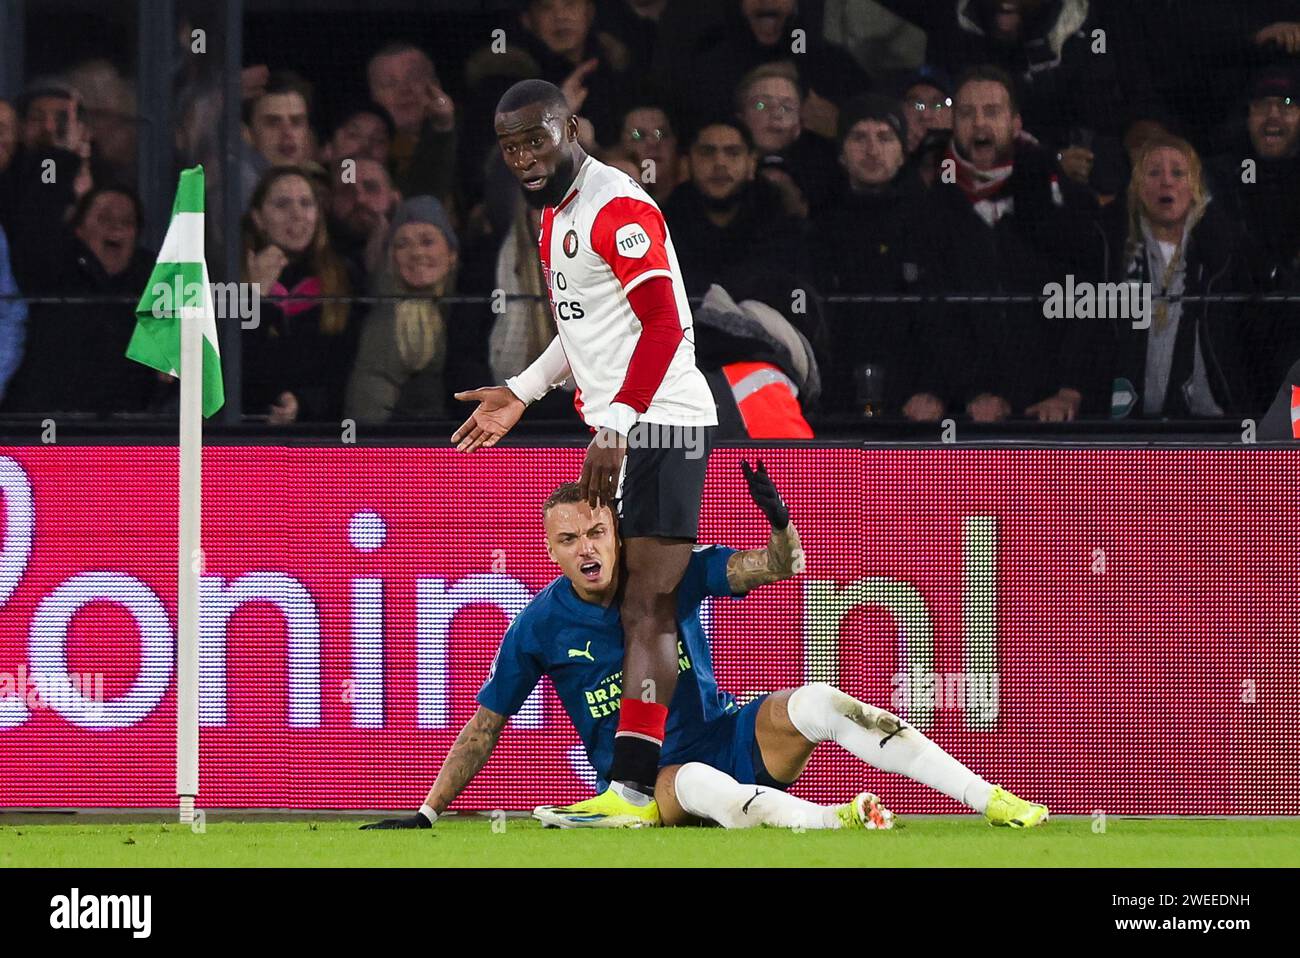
(1004, 223)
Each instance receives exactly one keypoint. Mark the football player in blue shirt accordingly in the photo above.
(721, 762)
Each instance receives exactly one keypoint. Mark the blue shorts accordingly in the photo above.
(730, 745)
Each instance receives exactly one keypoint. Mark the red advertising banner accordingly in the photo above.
(1095, 629)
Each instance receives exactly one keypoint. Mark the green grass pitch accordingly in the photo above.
(471, 840)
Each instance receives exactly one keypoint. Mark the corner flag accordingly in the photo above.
(178, 289)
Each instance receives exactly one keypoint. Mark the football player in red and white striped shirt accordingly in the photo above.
(624, 335)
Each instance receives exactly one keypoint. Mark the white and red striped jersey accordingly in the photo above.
(605, 238)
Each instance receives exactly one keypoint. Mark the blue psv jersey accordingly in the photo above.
(580, 646)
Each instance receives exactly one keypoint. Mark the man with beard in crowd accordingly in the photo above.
(729, 224)
(360, 209)
(1265, 198)
(1003, 222)
(1067, 91)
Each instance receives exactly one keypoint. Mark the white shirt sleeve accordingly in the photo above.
(547, 371)
(620, 417)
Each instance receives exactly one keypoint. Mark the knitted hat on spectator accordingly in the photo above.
(1277, 79)
(871, 106)
(423, 209)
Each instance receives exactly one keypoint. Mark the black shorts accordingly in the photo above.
(663, 481)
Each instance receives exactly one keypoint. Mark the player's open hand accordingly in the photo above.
(763, 491)
(496, 414)
(599, 481)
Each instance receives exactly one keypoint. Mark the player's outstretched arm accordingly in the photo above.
(469, 753)
(783, 556)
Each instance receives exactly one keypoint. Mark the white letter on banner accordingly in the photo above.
(48, 651)
(219, 602)
(367, 653)
(979, 612)
(436, 606)
(825, 607)
(19, 520)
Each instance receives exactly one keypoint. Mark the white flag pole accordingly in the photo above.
(190, 563)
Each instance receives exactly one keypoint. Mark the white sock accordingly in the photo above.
(705, 792)
(823, 713)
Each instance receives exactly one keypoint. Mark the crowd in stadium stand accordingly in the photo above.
(923, 152)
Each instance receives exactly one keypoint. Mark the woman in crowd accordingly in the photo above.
(75, 357)
(297, 358)
(1183, 360)
(416, 352)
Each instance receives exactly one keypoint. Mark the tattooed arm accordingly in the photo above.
(468, 754)
(782, 559)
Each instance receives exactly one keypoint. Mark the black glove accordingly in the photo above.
(415, 821)
(763, 491)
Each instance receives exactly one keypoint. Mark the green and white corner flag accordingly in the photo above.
(179, 289)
